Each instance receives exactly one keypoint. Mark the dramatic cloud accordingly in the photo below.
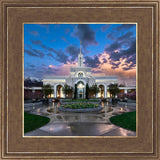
(73, 51)
(113, 46)
(123, 47)
(34, 52)
(59, 55)
(115, 65)
(110, 50)
(125, 36)
(36, 42)
(124, 71)
(92, 61)
(86, 34)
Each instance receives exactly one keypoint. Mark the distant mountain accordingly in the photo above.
(32, 82)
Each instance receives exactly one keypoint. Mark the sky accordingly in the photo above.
(109, 49)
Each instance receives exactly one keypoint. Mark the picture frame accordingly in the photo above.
(146, 145)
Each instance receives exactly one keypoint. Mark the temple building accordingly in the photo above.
(80, 75)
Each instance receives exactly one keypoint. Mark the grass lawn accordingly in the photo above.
(32, 122)
(126, 120)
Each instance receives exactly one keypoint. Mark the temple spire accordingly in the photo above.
(80, 47)
(80, 58)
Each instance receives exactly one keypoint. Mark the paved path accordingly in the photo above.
(80, 124)
(80, 129)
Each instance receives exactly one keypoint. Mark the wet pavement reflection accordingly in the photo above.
(79, 124)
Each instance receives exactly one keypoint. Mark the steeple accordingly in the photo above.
(80, 47)
(80, 58)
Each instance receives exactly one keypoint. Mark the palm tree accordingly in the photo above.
(67, 89)
(47, 90)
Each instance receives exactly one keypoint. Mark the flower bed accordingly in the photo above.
(80, 107)
(83, 101)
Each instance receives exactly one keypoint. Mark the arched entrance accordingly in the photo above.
(60, 91)
(80, 90)
(101, 92)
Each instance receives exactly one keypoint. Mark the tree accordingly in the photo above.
(87, 91)
(122, 85)
(113, 89)
(94, 89)
(67, 89)
(75, 91)
(47, 90)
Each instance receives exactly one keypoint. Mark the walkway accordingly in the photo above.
(80, 129)
(80, 124)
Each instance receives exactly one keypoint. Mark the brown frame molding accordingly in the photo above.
(146, 145)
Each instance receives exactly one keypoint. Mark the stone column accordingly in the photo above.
(55, 91)
(125, 91)
(105, 92)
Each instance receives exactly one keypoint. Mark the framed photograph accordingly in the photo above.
(80, 79)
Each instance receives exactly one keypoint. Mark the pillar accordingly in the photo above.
(55, 91)
(125, 91)
(105, 92)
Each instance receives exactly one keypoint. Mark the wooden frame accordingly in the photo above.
(146, 145)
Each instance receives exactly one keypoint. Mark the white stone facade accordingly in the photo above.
(80, 75)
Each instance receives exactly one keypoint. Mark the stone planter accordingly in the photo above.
(86, 110)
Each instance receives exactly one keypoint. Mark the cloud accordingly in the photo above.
(125, 71)
(36, 42)
(64, 39)
(85, 34)
(125, 36)
(50, 55)
(114, 46)
(111, 36)
(104, 60)
(32, 66)
(58, 55)
(34, 33)
(124, 27)
(105, 27)
(47, 26)
(34, 52)
(123, 46)
(115, 65)
(73, 51)
(92, 61)
(67, 30)
(126, 39)
(129, 53)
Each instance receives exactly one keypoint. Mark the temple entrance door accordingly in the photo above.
(80, 90)
(80, 96)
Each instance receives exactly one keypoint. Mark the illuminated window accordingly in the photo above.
(80, 74)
